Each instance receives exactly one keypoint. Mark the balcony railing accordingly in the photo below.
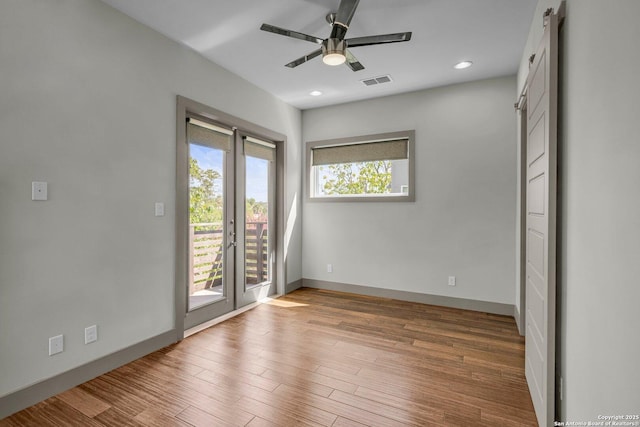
(206, 254)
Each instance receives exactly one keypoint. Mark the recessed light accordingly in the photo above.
(462, 65)
(315, 93)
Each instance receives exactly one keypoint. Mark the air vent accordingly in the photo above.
(377, 80)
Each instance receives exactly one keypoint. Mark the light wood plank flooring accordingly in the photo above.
(315, 358)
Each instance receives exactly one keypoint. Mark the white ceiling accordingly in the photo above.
(491, 33)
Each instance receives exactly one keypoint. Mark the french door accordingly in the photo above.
(256, 212)
(231, 219)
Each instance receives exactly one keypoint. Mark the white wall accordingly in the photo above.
(462, 222)
(88, 104)
(600, 205)
(599, 232)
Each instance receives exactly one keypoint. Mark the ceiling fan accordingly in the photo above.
(334, 49)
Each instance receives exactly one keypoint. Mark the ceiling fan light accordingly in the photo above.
(333, 52)
(333, 59)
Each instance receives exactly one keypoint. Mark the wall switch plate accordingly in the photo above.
(56, 345)
(452, 281)
(329, 268)
(38, 191)
(90, 334)
(159, 209)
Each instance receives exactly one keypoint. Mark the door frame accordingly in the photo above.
(184, 107)
(522, 311)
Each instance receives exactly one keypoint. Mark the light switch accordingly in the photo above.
(159, 209)
(38, 191)
(90, 334)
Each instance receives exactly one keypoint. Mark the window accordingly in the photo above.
(364, 168)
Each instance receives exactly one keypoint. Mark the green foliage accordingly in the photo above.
(256, 211)
(205, 197)
(358, 178)
(205, 194)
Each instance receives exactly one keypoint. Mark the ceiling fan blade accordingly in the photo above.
(345, 13)
(304, 59)
(290, 33)
(379, 39)
(352, 62)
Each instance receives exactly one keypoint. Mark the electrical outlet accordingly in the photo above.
(56, 345)
(452, 281)
(90, 334)
(38, 190)
(329, 268)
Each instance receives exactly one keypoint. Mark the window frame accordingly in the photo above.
(409, 135)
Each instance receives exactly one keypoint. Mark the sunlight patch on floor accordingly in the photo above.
(282, 303)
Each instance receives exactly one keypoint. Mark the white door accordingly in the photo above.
(541, 223)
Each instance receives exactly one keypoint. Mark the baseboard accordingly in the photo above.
(516, 315)
(293, 286)
(220, 319)
(38, 392)
(445, 301)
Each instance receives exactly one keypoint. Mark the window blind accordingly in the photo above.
(363, 152)
(261, 149)
(207, 134)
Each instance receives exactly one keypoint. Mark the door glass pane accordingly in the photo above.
(257, 221)
(206, 225)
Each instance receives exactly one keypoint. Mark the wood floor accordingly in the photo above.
(316, 358)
